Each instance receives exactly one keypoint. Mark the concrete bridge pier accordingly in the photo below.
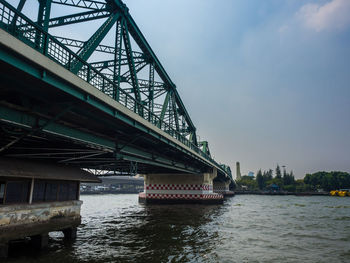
(70, 233)
(40, 241)
(180, 188)
(223, 187)
(37, 198)
(4, 247)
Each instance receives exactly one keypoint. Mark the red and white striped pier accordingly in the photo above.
(180, 188)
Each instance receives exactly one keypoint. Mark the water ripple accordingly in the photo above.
(116, 228)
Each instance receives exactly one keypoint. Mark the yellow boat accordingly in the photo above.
(334, 193)
(345, 192)
(342, 193)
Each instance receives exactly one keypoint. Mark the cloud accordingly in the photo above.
(334, 15)
(283, 28)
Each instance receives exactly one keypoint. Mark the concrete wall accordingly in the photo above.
(18, 221)
(25, 213)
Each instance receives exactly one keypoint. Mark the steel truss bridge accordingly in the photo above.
(59, 102)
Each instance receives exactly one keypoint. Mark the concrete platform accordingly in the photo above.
(20, 221)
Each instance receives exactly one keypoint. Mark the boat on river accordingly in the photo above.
(341, 192)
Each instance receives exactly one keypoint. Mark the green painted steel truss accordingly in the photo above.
(122, 75)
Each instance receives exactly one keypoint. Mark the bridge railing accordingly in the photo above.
(23, 28)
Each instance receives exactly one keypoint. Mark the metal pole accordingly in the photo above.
(31, 191)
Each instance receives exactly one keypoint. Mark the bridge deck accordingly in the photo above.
(93, 120)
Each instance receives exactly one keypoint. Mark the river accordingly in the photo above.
(246, 228)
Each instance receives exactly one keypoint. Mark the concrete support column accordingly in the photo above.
(180, 188)
(4, 250)
(40, 241)
(223, 187)
(70, 233)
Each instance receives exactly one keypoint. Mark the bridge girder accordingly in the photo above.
(155, 98)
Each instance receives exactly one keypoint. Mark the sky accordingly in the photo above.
(265, 82)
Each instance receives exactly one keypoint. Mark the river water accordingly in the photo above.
(247, 228)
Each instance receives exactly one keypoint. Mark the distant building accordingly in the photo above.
(238, 171)
(251, 174)
(114, 184)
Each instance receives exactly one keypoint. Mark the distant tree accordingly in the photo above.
(247, 181)
(328, 180)
(289, 188)
(270, 172)
(307, 179)
(278, 172)
(248, 178)
(285, 176)
(277, 181)
(288, 179)
(301, 186)
(291, 176)
(260, 180)
(268, 175)
(284, 172)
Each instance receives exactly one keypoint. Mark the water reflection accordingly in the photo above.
(157, 233)
(244, 229)
(173, 232)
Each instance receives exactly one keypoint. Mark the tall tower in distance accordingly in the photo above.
(238, 171)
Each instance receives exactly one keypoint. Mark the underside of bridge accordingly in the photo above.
(43, 123)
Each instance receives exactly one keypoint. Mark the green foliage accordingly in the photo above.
(246, 177)
(288, 179)
(321, 180)
(277, 181)
(290, 188)
(260, 180)
(265, 179)
(328, 180)
(300, 186)
(268, 175)
(278, 172)
(248, 182)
